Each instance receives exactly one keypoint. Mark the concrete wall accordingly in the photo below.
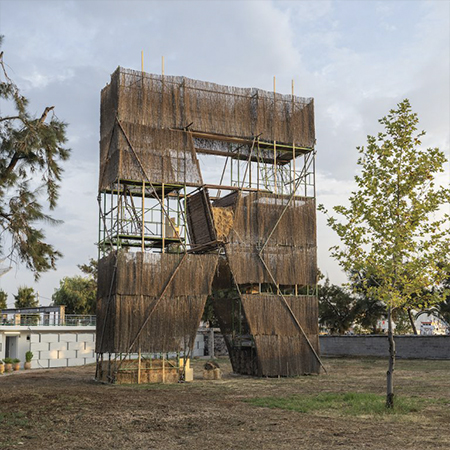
(62, 349)
(419, 347)
(59, 346)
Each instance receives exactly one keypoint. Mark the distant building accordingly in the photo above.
(56, 339)
(428, 325)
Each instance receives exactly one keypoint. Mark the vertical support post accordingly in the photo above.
(142, 61)
(314, 173)
(99, 225)
(211, 343)
(139, 365)
(293, 143)
(143, 217)
(231, 172)
(119, 211)
(238, 168)
(257, 165)
(293, 168)
(185, 216)
(164, 368)
(163, 224)
(275, 166)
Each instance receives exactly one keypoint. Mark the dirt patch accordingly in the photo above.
(66, 409)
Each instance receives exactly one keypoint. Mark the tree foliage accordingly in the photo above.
(26, 298)
(337, 308)
(31, 152)
(393, 231)
(90, 269)
(3, 299)
(79, 294)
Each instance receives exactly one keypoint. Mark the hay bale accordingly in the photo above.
(223, 221)
(215, 374)
(211, 365)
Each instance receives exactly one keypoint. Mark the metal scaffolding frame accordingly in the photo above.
(145, 215)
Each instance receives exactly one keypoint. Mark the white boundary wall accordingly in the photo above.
(52, 346)
(59, 346)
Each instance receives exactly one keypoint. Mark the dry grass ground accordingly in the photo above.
(66, 409)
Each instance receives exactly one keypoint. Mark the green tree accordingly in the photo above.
(25, 298)
(368, 309)
(337, 308)
(368, 312)
(393, 230)
(444, 307)
(3, 299)
(90, 269)
(31, 152)
(79, 294)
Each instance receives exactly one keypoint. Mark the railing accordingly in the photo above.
(36, 320)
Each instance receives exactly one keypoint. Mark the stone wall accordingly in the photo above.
(419, 347)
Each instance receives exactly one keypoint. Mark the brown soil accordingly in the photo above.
(66, 409)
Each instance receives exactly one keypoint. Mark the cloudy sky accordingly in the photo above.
(357, 58)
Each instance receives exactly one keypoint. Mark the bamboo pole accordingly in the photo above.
(284, 210)
(143, 216)
(142, 61)
(293, 316)
(293, 143)
(162, 65)
(139, 365)
(275, 166)
(148, 180)
(163, 221)
(163, 368)
(141, 329)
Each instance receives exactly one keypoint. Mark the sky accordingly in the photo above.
(357, 58)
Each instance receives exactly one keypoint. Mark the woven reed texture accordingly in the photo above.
(199, 217)
(280, 346)
(148, 106)
(233, 325)
(136, 286)
(157, 155)
(285, 356)
(290, 253)
(175, 102)
(280, 349)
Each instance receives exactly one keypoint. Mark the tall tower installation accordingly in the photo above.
(205, 190)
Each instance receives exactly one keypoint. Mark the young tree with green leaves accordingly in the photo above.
(31, 152)
(393, 230)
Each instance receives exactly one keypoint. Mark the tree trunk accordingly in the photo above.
(411, 319)
(390, 372)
